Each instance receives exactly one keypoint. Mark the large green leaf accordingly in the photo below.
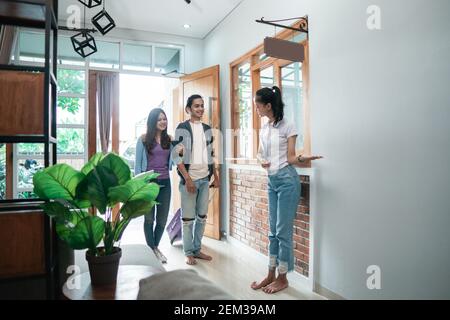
(96, 186)
(57, 211)
(118, 166)
(65, 228)
(57, 182)
(87, 234)
(136, 208)
(147, 176)
(135, 189)
(92, 163)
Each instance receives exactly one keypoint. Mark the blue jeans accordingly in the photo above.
(284, 196)
(194, 207)
(153, 233)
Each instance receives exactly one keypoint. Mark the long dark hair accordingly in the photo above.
(149, 137)
(272, 96)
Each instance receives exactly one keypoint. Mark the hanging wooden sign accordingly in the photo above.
(284, 49)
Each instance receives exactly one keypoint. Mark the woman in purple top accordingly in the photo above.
(153, 151)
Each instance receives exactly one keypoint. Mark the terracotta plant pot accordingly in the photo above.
(103, 269)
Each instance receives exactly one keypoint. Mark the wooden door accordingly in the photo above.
(205, 83)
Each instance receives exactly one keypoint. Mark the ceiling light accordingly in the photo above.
(187, 26)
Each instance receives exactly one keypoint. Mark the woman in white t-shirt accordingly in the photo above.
(277, 155)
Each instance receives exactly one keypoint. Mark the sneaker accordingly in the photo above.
(160, 256)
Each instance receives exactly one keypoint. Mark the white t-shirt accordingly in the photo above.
(198, 168)
(274, 143)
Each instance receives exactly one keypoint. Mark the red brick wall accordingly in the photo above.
(249, 221)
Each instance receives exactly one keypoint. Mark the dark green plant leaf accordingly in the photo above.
(137, 208)
(93, 162)
(87, 234)
(57, 211)
(118, 166)
(147, 176)
(96, 187)
(57, 182)
(64, 229)
(135, 189)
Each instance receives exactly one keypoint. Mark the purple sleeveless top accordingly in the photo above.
(158, 161)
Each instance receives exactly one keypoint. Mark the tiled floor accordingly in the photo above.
(233, 267)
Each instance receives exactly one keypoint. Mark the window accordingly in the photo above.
(71, 117)
(291, 89)
(29, 159)
(107, 55)
(71, 81)
(167, 60)
(111, 54)
(137, 57)
(264, 71)
(245, 136)
(267, 78)
(31, 47)
(66, 54)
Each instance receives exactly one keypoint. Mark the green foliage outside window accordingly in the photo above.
(70, 141)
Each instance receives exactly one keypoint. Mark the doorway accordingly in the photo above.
(138, 95)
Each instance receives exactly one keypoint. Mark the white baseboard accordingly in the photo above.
(324, 292)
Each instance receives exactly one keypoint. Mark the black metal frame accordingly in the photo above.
(303, 27)
(48, 138)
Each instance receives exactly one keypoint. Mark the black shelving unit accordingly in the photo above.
(40, 14)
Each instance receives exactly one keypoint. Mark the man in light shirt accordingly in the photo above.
(195, 167)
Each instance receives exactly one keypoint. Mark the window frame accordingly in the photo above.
(256, 66)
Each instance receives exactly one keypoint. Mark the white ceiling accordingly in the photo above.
(165, 16)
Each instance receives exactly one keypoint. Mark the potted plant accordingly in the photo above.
(83, 205)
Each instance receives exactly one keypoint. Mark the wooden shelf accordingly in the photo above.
(24, 255)
(22, 103)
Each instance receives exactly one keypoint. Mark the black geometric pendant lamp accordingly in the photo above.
(103, 21)
(84, 43)
(91, 3)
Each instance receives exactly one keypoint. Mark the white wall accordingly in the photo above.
(380, 106)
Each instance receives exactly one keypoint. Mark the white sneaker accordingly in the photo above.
(160, 256)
